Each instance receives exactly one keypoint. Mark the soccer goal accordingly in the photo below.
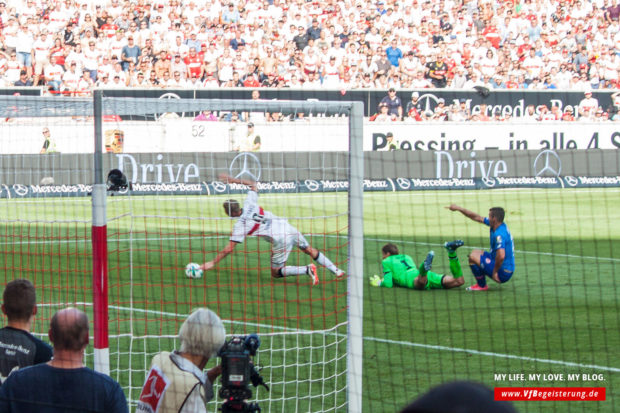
(120, 254)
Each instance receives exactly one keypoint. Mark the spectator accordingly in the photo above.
(19, 304)
(130, 53)
(70, 80)
(206, 115)
(64, 383)
(24, 48)
(414, 103)
(441, 111)
(53, 74)
(384, 66)
(41, 51)
(567, 116)
(184, 387)
(301, 39)
(314, 31)
(459, 397)
(530, 114)
(394, 54)
(230, 15)
(382, 115)
(438, 71)
(394, 104)
(483, 114)
(23, 79)
(588, 102)
(459, 79)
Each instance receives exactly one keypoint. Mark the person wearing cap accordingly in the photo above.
(230, 15)
(394, 104)
(383, 115)
(252, 140)
(588, 102)
(414, 103)
(390, 143)
(180, 380)
(568, 116)
(314, 31)
(23, 80)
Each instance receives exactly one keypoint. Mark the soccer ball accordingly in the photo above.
(192, 270)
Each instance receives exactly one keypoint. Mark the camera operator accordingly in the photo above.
(176, 382)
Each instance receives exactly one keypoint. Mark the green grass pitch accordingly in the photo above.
(560, 313)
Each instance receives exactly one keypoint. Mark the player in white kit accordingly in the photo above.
(254, 220)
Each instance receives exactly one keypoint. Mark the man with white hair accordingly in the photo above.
(176, 382)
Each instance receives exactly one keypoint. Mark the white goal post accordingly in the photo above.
(156, 108)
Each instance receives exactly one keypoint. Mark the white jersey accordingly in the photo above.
(254, 220)
(174, 385)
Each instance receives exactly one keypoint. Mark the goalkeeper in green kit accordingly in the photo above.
(401, 271)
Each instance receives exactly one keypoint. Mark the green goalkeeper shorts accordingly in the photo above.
(433, 281)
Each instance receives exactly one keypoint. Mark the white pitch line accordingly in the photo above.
(549, 254)
(387, 341)
(158, 239)
(491, 354)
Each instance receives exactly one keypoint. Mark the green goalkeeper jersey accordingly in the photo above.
(399, 270)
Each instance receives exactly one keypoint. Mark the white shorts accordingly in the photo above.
(282, 247)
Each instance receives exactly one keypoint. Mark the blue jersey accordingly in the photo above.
(501, 238)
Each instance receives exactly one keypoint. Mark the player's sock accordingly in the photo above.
(293, 270)
(325, 262)
(427, 264)
(455, 266)
(480, 279)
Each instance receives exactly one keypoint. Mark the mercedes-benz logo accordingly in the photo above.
(245, 164)
(312, 185)
(168, 96)
(218, 186)
(403, 183)
(571, 180)
(549, 163)
(489, 181)
(20, 189)
(426, 100)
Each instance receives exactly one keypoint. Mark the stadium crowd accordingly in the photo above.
(73, 46)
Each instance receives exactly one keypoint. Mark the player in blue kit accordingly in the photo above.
(499, 263)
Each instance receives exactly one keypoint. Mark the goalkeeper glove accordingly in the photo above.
(375, 281)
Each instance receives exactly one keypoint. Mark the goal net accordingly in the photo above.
(172, 152)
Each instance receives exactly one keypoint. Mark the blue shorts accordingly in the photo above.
(487, 263)
(25, 59)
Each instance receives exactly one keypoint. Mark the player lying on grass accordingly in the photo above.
(254, 220)
(499, 263)
(400, 270)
